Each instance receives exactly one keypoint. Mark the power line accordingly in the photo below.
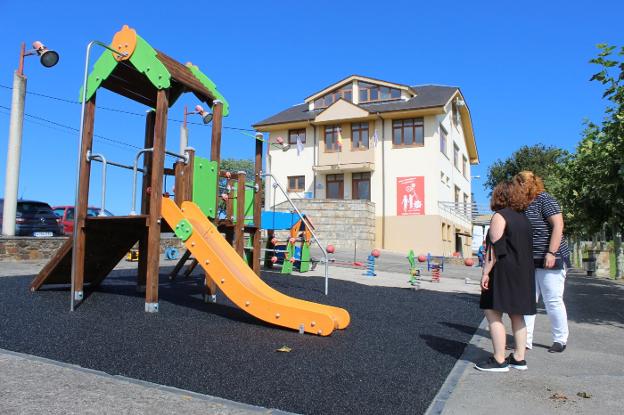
(112, 140)
(138, 114)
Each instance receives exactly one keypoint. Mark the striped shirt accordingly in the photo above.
(538, 212)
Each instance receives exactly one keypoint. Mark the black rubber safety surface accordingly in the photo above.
(392, 359)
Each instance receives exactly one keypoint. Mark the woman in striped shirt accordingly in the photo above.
(550, 256)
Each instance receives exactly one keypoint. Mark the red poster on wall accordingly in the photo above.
(410, 196)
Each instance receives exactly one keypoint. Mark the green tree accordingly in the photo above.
(235, 165)
(540, 159)
(608, 146)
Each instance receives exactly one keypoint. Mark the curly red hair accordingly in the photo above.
(508, 194)
(530, 184)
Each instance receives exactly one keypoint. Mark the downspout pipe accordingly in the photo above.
(383, 182)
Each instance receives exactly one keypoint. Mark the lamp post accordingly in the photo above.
(48, 58)
(206, 118)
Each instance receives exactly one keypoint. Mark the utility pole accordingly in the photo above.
(16, 124)
(48, 58)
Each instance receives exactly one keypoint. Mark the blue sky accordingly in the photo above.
(522, 67)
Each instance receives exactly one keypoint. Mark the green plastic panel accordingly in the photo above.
(210, 86)
(145, 61)
(205, 185)
(287, 266)
(102, 68)
(304, 265)
(249, 205)
(183, 230)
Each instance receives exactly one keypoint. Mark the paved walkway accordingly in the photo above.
(586, 378)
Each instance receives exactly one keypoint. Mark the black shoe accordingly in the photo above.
(557, 348)
(491, 365)
(516, 364)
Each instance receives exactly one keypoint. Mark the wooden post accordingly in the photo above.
(215, 145)
(239, 227)
(80, 212)
(145, 182)
(257, 209)
(155, 201)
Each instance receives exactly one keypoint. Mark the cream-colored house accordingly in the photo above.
(407, 149)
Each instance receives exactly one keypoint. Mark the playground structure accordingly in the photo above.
(294, 253)
(132, 68)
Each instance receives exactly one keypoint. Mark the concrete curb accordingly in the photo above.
(169, 389)
(461, 366)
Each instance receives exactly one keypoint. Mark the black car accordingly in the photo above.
(34, 218)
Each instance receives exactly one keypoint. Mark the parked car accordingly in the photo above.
(66, 216)
(33, 218)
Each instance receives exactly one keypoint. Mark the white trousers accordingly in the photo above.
(550, 283)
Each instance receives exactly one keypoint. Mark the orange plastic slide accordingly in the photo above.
(239, 283)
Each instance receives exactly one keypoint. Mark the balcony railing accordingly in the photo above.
(477, 214)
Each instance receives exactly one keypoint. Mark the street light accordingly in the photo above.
(206, 118)
(48, 58)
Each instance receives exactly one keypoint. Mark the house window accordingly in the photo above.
(335, 186)
(292, 136)
(409, 132)
(456, 156)
(359, 135)
(466, 203)
(296, 183)
(443, 231)
(361, 186)
(346, 92)
(465, 166)
(457, 193)
(331, 138)
(443, 134)
(372, 92)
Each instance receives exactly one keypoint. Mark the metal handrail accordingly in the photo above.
(304, 219)
(101, 158)
(135, 168)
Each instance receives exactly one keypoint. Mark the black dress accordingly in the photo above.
(512, 280)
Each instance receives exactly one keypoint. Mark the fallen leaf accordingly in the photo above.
(584, 395)
(284, 349)
(559, 397)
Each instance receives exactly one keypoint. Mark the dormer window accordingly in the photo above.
(346, 92)
(373, 93)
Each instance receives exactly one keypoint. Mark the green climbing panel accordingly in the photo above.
(183, 230)
(305, 263)
(287, 266)
(205, 185)
(249, 203)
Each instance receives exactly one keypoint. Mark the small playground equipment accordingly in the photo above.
(414, 270)
(370, 263)
(435, 273)
(435, 261)
(132, 68)
(294, 253)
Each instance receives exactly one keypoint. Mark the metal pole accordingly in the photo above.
(11, 181)
(184, 133)
(104, 163)
(80, 132)
(276, 184)
(134, 178)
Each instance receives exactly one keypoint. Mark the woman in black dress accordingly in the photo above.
(508, 283)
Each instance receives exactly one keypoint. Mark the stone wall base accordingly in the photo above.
(27, 248)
